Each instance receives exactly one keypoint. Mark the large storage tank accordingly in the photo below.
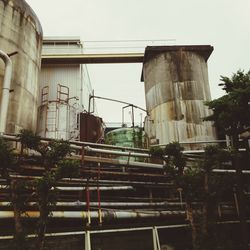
(176, 87)
(126, 137)
(20, 31)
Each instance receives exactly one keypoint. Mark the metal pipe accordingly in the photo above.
(105, 151)
(143, 183)
(114, 100)
(5, 91)
(191, 142)
(123, 122)
(79, 143)
(83, 188)
(109, 215)
(120, 162)
(105, 182)
(104, 204)
(233, 171)
(95, 188)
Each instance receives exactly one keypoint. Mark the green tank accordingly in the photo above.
(126, 137)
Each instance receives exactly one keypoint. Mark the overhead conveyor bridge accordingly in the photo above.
(92, 58)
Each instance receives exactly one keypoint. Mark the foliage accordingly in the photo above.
(7, 159)
(175, 158)
(67, 168)
(156, 152)
(20, 197)
(240, 80)
(54, 152)
(229, 111)
(46, 192)
(29, 139)
(191, 183)
(231, 115)
(214, 157)
(6, 154)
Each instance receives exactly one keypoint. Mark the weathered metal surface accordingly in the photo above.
(176, 87)
(21, 32)
(91, 128)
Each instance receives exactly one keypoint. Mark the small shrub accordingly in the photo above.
(29, 139)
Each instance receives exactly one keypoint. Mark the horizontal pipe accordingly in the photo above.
(13, 137)
(109, 173)
(105, 204)
(120, 162)
(134, 183)
(109, 215)
(191, 142)
(95, 188)
(94, 182)
(105, 151)
(83, 144)
(233, 171)
(114, 188)
(125, 174)
(78, 145)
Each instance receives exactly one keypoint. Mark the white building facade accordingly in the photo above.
(64, 91)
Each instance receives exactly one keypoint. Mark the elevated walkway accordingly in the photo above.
(92, 58)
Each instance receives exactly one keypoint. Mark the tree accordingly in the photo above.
(231, 111)
(231, 114)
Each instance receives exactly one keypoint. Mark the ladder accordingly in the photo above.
(52, 119)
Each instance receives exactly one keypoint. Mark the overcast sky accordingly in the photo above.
(224, 24)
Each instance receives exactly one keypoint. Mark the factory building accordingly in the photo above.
(64, 91)
(122, 197)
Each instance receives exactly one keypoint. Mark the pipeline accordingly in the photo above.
(93, 182)
(105, 204)
(114, 188)
(107, 215)
(105, 151)
(120, 162)
(5, 91)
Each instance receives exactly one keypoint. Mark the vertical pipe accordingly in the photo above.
(236, 202)
(87, 241)
(123, 116)
(99, 195)
(133, 116)
(5, 91)
(81, 81)
(87, 204)
(156, 241)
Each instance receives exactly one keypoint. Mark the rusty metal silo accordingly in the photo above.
(21, 32)
(176, 87)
